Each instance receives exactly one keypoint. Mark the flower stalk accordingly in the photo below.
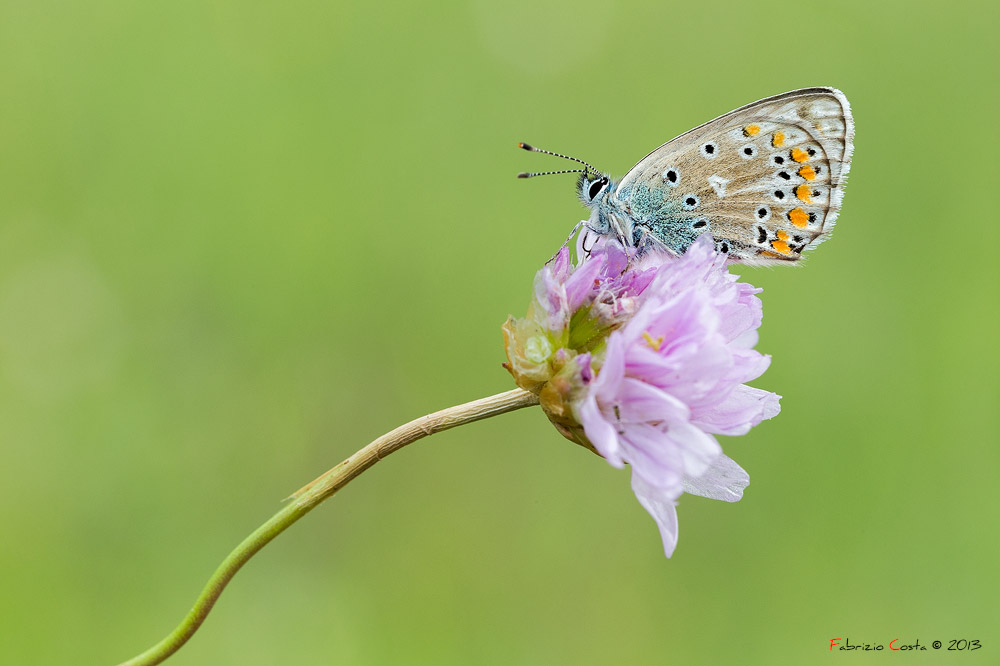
(640, 358)
(310, 496)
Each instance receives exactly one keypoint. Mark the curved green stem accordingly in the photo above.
(307, 498)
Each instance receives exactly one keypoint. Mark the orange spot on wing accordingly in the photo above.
(779, 138)
(800, 155)
(783, 235)
(803, 192)
(799, 217)
(781, 246)
(808, 172)
(751, 130)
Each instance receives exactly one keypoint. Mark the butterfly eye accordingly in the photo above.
(722, 246)
(709, 149)
(671, 176)
(691, 202)
(596, 187)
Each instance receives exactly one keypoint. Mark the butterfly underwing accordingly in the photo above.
(766, 181)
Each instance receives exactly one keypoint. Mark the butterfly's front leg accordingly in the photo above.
(581, 242)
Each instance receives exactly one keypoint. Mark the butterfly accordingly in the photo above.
(766, 181)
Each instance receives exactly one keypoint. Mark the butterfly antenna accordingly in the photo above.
(530, 148)
(532, 174)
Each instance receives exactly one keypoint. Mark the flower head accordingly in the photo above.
(643, 363)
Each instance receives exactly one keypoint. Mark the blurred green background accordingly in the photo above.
(240, 240)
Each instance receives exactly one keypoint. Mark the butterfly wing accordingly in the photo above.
(766, 180)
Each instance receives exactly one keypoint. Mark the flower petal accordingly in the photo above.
(697, 447)
(723, 480)
(642, 402)
(649, 451)
(580, 284)
(612, 370)
(599, 431)
(662, 507)
(742, 409)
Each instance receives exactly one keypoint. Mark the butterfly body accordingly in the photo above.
(766, 181)
(641, 215)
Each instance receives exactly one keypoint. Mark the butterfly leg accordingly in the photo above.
(649, 241)
(569, 240)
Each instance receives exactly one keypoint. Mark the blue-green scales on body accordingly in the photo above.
(663, 216)
(639, 211)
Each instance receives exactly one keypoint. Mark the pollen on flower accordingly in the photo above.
(655, 343)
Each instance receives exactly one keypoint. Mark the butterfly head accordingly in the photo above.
(594, 187)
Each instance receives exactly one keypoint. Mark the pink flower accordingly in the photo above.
(574, 308)
(672, 377)
(643, 361)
